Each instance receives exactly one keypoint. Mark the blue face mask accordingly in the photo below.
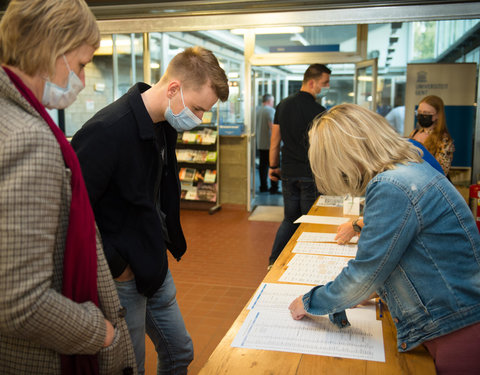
(323, 92)
(185, 120)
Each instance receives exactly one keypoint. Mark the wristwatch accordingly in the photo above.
(357, 228)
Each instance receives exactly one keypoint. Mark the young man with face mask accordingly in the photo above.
(127, 154)
(292, 120)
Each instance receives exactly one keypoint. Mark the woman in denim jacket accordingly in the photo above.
(419, 249)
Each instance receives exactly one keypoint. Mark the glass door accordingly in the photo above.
(284, 64)
(252, 144)
(366, 84)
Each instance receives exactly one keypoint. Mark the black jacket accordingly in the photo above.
(118, 153)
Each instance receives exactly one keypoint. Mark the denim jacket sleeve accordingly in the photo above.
(391, 222)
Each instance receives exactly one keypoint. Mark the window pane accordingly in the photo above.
(341, 38)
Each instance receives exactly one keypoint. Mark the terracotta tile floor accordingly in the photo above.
(227, 258)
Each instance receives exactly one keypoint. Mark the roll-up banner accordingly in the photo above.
(455, 84)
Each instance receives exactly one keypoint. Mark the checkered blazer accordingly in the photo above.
(37, 323)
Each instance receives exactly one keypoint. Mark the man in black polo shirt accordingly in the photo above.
(291, 124)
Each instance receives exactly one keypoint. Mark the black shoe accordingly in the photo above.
(263, 190)
(275, 191)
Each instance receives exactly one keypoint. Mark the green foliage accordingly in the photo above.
(424, 40)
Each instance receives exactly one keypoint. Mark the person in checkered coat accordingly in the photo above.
(59, 309)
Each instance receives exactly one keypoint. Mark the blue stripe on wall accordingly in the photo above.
(460, 124)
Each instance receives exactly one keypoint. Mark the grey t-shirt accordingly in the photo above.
(264, 116)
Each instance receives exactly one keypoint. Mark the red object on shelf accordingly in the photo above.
(475, 203)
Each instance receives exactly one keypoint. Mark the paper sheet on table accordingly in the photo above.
(272, 296)
(313, 269)
(330, 201)
(276, 296)
(321, 237)
(275, 330)
(328, 220)
(325, 249)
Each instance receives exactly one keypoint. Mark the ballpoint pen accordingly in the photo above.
(380, 306)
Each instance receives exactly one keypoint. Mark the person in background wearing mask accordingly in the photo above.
(127, 154)
(432, 131)
(59, 309)
(290, 126)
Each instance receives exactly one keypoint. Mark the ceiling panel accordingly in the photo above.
(114, 9)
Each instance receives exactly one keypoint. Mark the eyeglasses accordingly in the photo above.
(424, 113)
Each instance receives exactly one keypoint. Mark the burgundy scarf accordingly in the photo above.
(80, 256)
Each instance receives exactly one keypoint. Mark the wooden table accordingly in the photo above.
(232, 361)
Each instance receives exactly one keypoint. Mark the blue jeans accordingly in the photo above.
(299, 194)
(160, 317)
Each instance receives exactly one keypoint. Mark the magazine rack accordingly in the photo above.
(198, 163)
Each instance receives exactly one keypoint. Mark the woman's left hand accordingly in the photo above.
(296, 308)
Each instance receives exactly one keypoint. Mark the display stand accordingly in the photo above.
(461, 178)
(198, 163)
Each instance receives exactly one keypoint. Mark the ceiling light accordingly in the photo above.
(365, 78)
(270, 30)
(106, 43)
(123, 46)
(300, 39)
(119, 42)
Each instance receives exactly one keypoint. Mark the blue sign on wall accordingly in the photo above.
(317, 48)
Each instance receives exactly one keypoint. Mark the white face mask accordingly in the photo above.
(185, 120)
(56, 97)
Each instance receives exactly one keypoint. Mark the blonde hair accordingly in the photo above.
(349, 145)
(197, 66)
(34, 33)
(435, 139)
